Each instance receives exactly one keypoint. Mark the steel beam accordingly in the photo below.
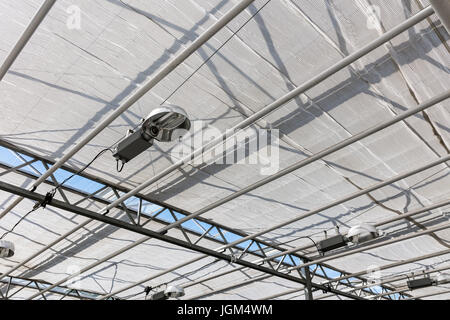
(392, 33)
(382, 281)
(425, 295)
(344, 199)
(148, 234)
(363, 248)
(78, 192)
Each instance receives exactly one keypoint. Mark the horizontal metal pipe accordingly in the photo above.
(425, 295)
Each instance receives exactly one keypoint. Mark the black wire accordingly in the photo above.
(215, 51)
(315, 244)
(49, 196)
(117, 166)
(20, 220)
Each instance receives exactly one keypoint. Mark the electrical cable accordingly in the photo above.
(17, 223)
(49, 196)
(117, 166)
(215, 51)
(82, 169)
(307, 237)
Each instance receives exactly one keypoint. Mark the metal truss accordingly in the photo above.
(282, 265)
(348, 284)
(12, 282)
(191, 237)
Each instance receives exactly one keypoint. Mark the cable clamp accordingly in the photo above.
(47, 200)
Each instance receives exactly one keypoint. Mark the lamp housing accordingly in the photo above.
(7, 249)
(362, 233)
(420, 283)
(174, 292)
(331, 243)
(163, 124)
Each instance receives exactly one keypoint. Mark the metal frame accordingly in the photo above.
(35, 284)
(383, 281)
(439, 161)
(421, 15)
(142, 90)
(345, 280)
(357, 137)
(195, 237)
(431, 294)
(191, 236)
(155, 235)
